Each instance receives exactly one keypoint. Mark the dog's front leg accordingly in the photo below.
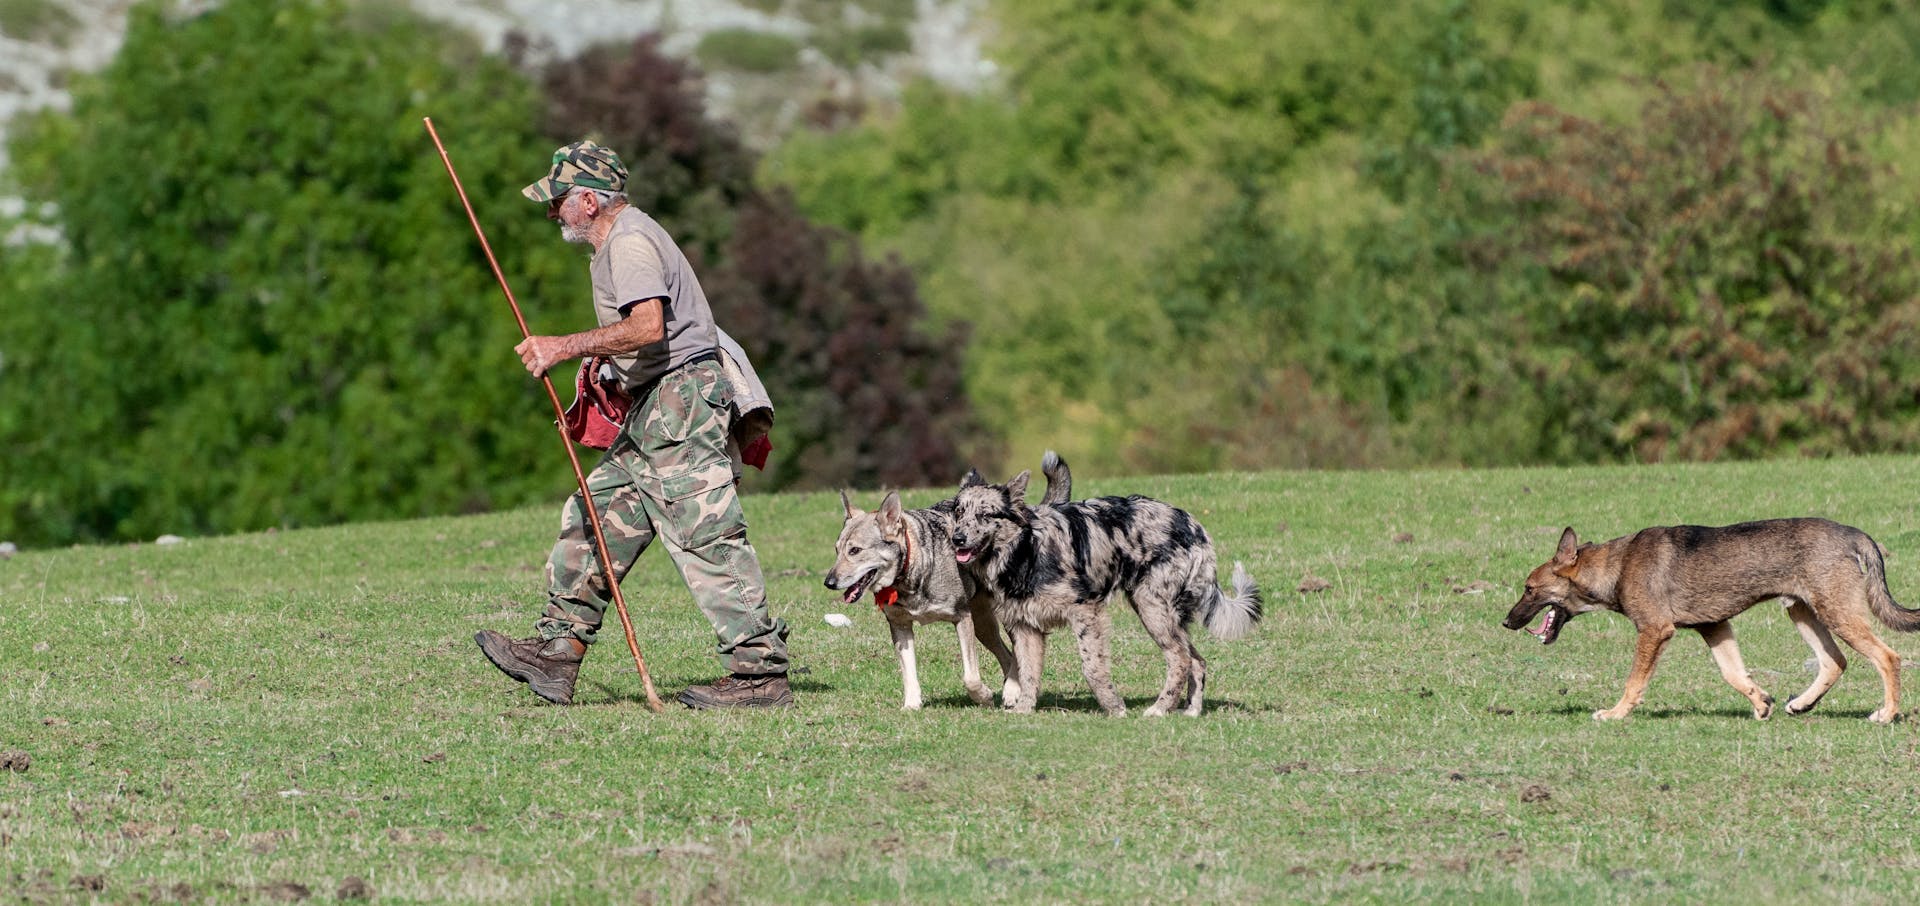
(1646, 653)
(970, 662)
(986, 628)
(1030, 650)
(909, 670)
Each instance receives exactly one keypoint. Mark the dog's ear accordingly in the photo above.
(973, 479)
(891, 521)
(846, 504)
(1569, 549)
(1017, 486)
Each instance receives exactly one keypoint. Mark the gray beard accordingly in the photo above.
(573, 234)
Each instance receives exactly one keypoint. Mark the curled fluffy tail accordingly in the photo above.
(1879, 597)
(1232, 616)
(1059, 480)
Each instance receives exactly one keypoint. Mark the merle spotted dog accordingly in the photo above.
(1057, 566)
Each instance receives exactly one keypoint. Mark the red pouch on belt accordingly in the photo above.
(599, 408)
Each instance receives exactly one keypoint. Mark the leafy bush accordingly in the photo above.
(748, 50)
(862, 44)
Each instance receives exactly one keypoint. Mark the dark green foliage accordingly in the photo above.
(866, 392)
(1239, 233)
(748, 50)
(1721, 280)
(271, 310)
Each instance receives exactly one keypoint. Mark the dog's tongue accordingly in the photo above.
(963, 554)
(1546, 625)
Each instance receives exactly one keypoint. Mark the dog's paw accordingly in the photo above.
(1794, 707)
(1884, 716)
(1612, 714)
(1763, 709)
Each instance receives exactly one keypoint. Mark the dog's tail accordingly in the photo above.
(1232, 616)
(1873, 562)
(1059, 480)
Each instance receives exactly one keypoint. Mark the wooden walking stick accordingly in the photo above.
(560, 417)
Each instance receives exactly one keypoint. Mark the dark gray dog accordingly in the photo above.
(906, 558)
(1059, 566)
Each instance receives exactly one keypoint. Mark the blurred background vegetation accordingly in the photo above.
(1168, 236)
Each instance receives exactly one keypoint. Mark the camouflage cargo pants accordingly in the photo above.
(669, 476)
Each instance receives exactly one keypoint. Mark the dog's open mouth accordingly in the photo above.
(964, 554)
(858, 588)
(1549, 628)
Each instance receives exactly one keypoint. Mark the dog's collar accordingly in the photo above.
(889, 596)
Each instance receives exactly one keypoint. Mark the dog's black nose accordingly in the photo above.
(959, 540)
(828, 582)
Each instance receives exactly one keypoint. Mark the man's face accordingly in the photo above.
(570, 211)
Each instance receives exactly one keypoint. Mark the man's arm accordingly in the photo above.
(643, 326)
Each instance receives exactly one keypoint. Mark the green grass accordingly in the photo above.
(244, 718)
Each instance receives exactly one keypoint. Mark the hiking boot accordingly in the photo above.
(740, 691)
(547, 665)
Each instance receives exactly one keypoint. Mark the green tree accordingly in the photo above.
(268, 308)
(1723, 279)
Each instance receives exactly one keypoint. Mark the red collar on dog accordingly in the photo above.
(889, 596)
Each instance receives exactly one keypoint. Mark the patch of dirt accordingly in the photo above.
(146, 830)
(354, 888)
(285, 891)
(404, 835)
(95, 883)
(266, 842)
(1371, 867)
(1476, 587)
(15, 761)
(1311, 583)
(1535, 793)
(1403, 538)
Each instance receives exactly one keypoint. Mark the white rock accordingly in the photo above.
(839, 619)
(168, 539)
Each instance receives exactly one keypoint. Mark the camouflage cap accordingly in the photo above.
(582, 164)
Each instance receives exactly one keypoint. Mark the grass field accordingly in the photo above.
(303, 714)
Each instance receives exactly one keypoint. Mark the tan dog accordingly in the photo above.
(1694, 577)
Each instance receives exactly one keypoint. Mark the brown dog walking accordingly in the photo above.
(1695, 577)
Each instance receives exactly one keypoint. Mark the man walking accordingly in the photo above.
(668, 474)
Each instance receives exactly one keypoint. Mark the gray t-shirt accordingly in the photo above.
(640, 261)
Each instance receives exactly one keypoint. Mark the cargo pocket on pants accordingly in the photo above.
(701, 505)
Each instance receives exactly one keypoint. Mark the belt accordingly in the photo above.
(640, 393)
